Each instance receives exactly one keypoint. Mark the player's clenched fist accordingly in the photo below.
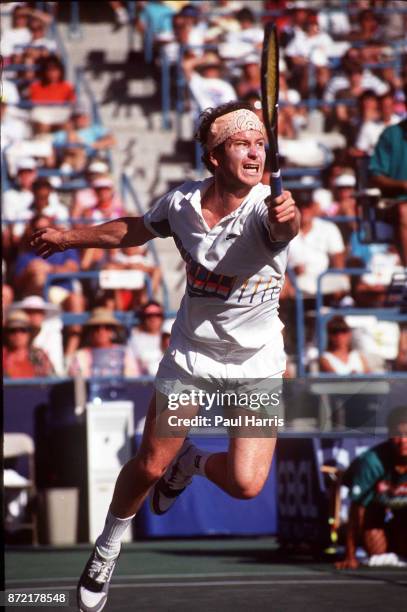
(282, 208)
(47, 241)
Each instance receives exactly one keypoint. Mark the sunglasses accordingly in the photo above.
(102, 326)
(18, 330)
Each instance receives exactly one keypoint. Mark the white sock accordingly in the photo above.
(109, 541)
(196, 461)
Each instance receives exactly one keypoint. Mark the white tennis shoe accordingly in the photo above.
(94, 582)
(175, 480)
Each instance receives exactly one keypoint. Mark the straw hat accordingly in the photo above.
(36, 302)
(102, 316)
(16, 320)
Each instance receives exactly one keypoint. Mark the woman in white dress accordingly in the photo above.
(340, 358)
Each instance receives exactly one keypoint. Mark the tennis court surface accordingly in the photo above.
(213, 575)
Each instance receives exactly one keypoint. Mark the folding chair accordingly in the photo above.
(22, 445)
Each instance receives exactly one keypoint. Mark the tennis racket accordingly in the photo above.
(269, 95)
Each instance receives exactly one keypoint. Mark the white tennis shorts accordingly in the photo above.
(188, 362)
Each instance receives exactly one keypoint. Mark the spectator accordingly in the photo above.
(47, 328)
(339, 358)
(377, 482)
(249, 32)
(371, 129)
(108, 205)
(145, 340)
(186, 33)
(18, 34)
(317, 247)
(80, 131)
(100, 354)
(137, 258)
(388, 167)
(31, 271)
(42, 204)
(302, 49)
(368, 28)
(18, 200)
(39, 45)
(341, 80)
(86, 197)
(208, 88)
(250, 79)
(157, 16)
(51, 86)
(20, 358)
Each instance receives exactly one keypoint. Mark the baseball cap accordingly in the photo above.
(26, 163)
(103, 182)
(252, 58)
(98, 167)
(345, 180)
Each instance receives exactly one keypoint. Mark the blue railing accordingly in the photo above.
(300, 323)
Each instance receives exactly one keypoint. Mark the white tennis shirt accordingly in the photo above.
(235, 271)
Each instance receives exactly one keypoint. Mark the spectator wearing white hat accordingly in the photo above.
(108, 204)
(86, 197)
(47, 327)
(100, 354)
(344, 194)
(204, 76)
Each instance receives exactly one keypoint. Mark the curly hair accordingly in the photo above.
(206, 118)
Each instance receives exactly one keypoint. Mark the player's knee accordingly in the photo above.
(151, 469)
(245, 488)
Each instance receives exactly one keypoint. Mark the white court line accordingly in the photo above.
(160, 576)
(164, 585)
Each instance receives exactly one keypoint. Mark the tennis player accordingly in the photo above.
(234, 241)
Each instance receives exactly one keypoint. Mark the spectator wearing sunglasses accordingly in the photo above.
(20, 358)
(339, 358)
(101, 354)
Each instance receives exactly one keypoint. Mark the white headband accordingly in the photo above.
(236, 121)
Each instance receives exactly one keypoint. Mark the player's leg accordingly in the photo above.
(132, 486)
(375, 538)
(243, 470)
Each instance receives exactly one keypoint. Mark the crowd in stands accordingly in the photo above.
(57, 170)
(343, 77)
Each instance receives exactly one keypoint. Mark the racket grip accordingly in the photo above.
(276, 184)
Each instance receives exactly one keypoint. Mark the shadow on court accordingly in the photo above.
(213, 575)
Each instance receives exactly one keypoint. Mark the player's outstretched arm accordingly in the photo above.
(284, 217)
(123, 232)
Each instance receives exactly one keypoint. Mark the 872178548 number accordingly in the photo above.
(27, 597)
